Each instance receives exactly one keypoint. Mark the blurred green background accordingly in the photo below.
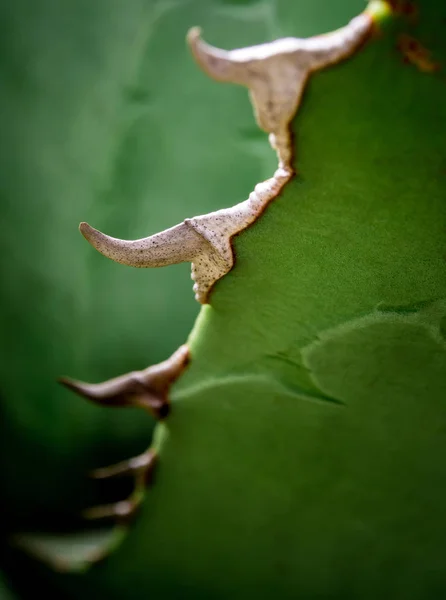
(104, 118)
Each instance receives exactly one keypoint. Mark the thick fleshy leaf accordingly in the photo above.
(303, 456)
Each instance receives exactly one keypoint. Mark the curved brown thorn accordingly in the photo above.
(145, 389)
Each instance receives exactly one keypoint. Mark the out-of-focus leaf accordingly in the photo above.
(71, 551)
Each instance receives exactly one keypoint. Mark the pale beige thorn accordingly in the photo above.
(210, 252)
(330, 48)
(217, 63)
(276, 72)
(219, 227)
(112, 392)
(175, 245)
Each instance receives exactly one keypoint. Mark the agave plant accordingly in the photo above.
(299, 436)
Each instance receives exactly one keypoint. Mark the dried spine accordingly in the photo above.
(147, 389)
(276, 74)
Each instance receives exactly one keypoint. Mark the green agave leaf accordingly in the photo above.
(304, 453)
